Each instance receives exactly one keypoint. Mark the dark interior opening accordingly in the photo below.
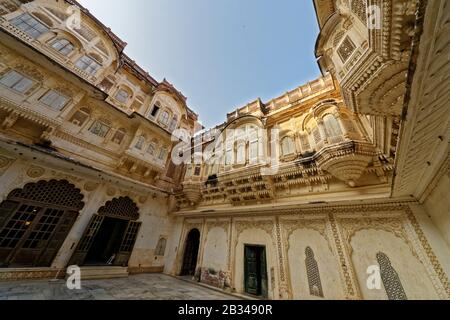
(191, 253)
(107, 241)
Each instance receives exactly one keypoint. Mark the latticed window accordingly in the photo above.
(240, 153)
(119, 136)
(122, 207)
(164, 118)
(312, 271)
(100, 129)
(304, 140)
(359, 7)
(151, 149)
(80, 117)
(29, 25)
(173, 124)
(88, 64)
(63, 46)
(161, 247)
(140, 143)
(390, 278)
(55, 100)
(16, 81)
(162, 154)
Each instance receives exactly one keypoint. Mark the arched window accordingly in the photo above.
(122, 96)
(312, 271)
(332, 126)
(164, 118)
(173, 123)
(162, 154)
(118, 136)
(253, 153)
(240, 152)
(151, 149)
(140, 143)
(160, 247)
(63, 46)
(390, 278)
(287, 146)
(80, 117)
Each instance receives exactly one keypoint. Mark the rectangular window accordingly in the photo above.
(16, 81)
(253, 154)
(100, 129)
(29, 25)
(87, 64)
(54, 100)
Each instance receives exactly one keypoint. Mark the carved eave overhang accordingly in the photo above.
(21, 111)
(58, 161)
(132, 67)
(324, 9)
(423, 152)
(118, 43)
(326, 31)
(165, 86)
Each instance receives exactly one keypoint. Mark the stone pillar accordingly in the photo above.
(92, 204)
(337, 115)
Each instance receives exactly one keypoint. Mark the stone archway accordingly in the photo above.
(35, 220)
(110, 236)
(191, 253)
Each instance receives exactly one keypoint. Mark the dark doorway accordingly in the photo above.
(255, 271)
(107, 241)
(191, 253)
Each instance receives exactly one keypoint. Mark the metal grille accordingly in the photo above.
(122, 208)
(44, 228)
(92, 230)
(312, 271)
(60, 193)
(390, 278)
(18, 225)
(130, 237)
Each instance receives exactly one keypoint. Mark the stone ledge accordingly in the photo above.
(15, 274)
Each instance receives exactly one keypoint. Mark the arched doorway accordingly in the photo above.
(191, 253)
(110, 236)
(35, 220)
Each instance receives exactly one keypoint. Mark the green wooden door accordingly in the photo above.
(255, 271)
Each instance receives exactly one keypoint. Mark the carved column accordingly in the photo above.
(284, 292)
(92, 205)
(347, 272)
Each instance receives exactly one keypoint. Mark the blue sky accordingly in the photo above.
(221, 54)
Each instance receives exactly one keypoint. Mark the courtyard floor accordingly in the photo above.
(137, 287)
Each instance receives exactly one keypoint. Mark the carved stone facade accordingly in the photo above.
(300, 196)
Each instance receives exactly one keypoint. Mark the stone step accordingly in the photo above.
(103, 272)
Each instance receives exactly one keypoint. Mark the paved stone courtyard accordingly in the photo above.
(138, 287)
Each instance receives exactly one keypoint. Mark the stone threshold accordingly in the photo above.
(204, 285)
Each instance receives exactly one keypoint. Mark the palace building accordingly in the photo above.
(310, 195)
